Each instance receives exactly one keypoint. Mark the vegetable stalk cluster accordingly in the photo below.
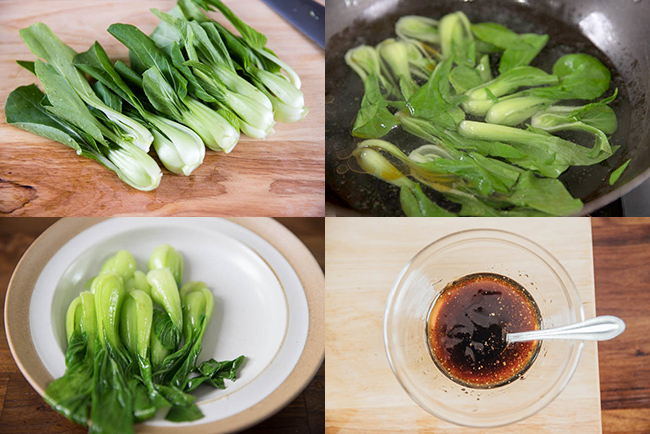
(490, 145)
(133, 345)
(191, 84)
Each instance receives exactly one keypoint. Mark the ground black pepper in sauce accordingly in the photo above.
(467, 326)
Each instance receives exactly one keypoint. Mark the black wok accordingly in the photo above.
(615, 31)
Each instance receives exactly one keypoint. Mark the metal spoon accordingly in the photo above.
(601, 328)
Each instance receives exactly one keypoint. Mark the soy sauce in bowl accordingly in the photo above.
(467, 327)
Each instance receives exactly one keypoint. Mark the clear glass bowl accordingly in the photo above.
(427, 274)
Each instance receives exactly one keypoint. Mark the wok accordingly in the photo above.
(616, 32)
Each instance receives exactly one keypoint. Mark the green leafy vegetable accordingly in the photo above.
(416, 204)
(45, 44)
(479, 168)
(456, 39)
(115, 375)
(597, 119)
(618, 172)
(419, 28)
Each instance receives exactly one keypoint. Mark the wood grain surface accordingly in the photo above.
(280, 176)
(622, 270)
(23, 411)
(363, 258)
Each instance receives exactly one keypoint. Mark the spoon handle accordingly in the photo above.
(600, 328)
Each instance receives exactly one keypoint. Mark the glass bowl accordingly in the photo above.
(422, 280)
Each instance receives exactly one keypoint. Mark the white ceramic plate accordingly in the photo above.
(261, 308)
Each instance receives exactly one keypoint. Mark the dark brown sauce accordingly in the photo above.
(467, 329)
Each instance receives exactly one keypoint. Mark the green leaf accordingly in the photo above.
(96, 63)
(514, 57)
(161, 95)
(559, 153)
(28, 65)
(581, 77)
(164, 330)
(112, 401)
(149, 55)
(128, 74)
(24, 110)
(252, 37)
(214, 373)
(42, 41)
(546, 195)
(373, 120)
(70, 394)
(499, 36)
(109, 98)
(464, 78)
(433, 101)
(618, 172)
(416, 204)
(520, 50)
(66, 104)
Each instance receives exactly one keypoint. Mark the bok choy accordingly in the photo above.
(201, 87)
(438, 81)
(112, 379)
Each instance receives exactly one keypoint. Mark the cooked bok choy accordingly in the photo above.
(436, 81)
(112, 378)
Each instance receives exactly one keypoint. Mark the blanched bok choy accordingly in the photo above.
(112, 380)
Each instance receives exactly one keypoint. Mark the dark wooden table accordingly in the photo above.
(22, 410)
(622, 267)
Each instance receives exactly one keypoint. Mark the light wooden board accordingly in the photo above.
(280, 176)
(363, 258)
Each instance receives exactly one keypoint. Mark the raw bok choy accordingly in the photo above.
(111, 381)
(212, 68)
(179, 148)
(202, 89)
(167, 90)
(73, 114)
(249, 55)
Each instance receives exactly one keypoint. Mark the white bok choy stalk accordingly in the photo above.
(419, 28)
(133, 165)
(166, 89)
(251, 55)
(179, 148)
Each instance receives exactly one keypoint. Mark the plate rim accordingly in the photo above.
(311, 276)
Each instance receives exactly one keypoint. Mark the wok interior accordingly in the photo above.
(614, 32)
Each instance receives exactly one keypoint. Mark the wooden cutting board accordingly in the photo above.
(363, 257)
(280, 176)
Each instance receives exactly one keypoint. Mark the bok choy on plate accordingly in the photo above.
(134, 342)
